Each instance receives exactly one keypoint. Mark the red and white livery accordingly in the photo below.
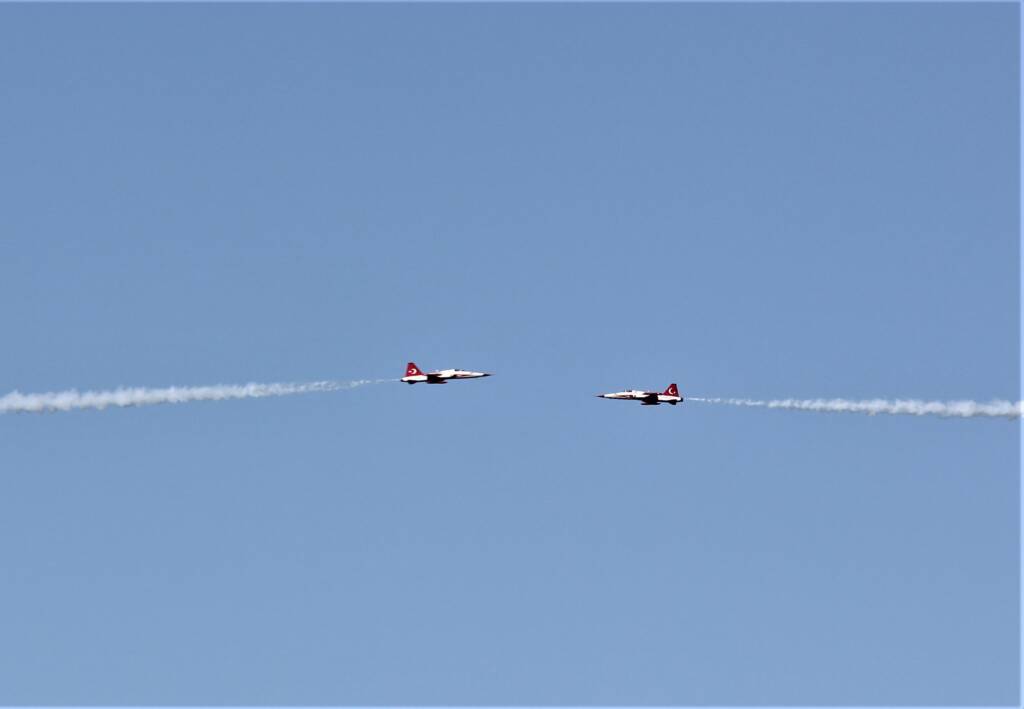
(648, 398)
(413, 375)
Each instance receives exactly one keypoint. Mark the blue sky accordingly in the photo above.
(750, 200)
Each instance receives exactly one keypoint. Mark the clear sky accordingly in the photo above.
(750, 200)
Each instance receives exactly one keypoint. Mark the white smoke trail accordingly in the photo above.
(16, 402)
(908, 407)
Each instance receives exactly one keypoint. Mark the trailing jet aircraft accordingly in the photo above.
(648, 398)
(413, 375)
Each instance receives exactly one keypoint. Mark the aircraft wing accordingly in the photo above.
(436, 378)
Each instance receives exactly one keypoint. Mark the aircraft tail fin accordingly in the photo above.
(411, 370)
(672, 390)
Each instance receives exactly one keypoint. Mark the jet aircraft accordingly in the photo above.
(648, 398)
(413, 375)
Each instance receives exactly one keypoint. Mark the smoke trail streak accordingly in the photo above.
(907, 407)
(16, 402)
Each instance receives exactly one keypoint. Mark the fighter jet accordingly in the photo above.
(648, 398)
(413, 375)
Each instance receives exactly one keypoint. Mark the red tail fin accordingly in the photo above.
(672, 390)
(411, 370)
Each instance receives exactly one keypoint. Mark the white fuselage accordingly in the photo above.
(645, 397)
(442, 376)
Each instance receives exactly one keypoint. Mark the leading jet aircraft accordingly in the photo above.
(413, 375)
(648, 398)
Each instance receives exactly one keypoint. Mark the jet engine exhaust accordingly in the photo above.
(72, 399)
(896, 407)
